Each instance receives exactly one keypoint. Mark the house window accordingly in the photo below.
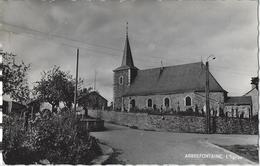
(121, 80)
(132, 103)
(188, 101)
(166, 102)
(149, 103)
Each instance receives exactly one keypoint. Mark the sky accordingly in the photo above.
(45, 33)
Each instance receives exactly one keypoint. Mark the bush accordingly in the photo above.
(255, 118)
(57, 139)
(15, 150)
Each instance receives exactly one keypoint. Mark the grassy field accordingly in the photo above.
(248, 151)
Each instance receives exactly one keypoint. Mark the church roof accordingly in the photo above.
(172, 79)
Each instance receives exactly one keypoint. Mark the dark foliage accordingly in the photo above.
(15, 78)
(56, 138)
(15, 149)
(255, 118)
(56, 86)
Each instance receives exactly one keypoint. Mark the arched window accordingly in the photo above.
(188, 101)
(149, 103)
(132, 102)
(166, 102)
(121, 80)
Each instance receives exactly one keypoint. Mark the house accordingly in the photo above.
(34, 107)
(238, 106)
(254, 95)
(12, 107)
(93, 100)
(174, 88)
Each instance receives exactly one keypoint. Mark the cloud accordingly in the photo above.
(175, 32)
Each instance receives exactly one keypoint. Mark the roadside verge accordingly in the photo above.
(234, 155)
(107, 152)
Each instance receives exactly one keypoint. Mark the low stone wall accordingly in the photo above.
(185, 124)
(91, 124)
(176, 123)
(234, 126)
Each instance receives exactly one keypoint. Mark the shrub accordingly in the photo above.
(15, 148)
(255, 118)
(196, 109)
(57, 139)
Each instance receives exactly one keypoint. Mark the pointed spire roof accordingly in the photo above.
(127, 61)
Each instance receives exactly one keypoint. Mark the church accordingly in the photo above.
(176, 88)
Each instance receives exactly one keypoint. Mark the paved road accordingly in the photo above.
(151, 147)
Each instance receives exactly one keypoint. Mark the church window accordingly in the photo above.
(132, 102)
(149, 103)
(121, 80)
(188, 101)
(166, 102)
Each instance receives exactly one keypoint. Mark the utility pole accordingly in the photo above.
(76, 87)
(207, 99)
(95, 79)
(207, 94)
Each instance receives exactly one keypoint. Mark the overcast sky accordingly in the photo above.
(46, 33)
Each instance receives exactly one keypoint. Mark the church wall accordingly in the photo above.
(158, 100)
(176, 100)
(216, 100)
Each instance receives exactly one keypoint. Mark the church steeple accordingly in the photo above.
(127, 56)
(124, 75)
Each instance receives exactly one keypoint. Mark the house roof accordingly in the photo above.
(16, 107)
(93, 93)
(172, 79)
(96, 93)
(239, 100)
(250, 91)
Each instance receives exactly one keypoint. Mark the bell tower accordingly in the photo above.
(123, 75)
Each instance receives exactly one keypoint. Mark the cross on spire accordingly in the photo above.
(126, 29)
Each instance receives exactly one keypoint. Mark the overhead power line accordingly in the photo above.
(52, 35)
(63, 43)
(43, 36)
(99, 52)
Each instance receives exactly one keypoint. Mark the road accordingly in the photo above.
(152, 147)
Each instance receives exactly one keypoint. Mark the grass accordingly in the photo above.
(248, 151)
(114, 159)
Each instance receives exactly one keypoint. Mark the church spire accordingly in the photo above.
(127, 56)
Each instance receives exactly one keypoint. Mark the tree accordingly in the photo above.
(56, 86)
(255, 81)
(84, 99)
(15, 81)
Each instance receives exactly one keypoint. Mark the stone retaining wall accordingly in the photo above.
(234, 126)
(177, 123)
